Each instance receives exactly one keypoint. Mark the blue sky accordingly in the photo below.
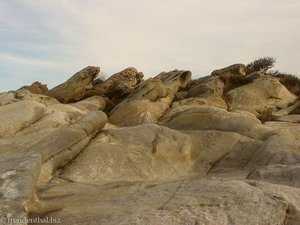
(48, 41)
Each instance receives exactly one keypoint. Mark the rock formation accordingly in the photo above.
(36, 88)
(220, 149)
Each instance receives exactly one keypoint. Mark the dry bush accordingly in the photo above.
(235, 81)
(290, 81)
(261, 64)
(266, 115)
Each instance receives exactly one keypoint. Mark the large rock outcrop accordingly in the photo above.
(167, 150)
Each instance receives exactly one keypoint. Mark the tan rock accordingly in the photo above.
(118, 86)
(150, 100)
(233, 70)
(18, 115)
(191, 201)
(145, 152)
(74, 89)
(212, 118)
(18, 177)
(263, 93)
(289, 118)
(36, 88)
(91, 104)
(278, 174)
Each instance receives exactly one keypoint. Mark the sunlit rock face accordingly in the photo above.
(165, 150)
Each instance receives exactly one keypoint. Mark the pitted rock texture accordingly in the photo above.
(165, 150)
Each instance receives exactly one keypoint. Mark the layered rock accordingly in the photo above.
(175, 150)
(150, 100)
(118, 86)
(36, 88)
(262, 94)
(230, 71)
(74, 89)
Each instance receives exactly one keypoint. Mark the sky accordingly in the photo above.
(50, 40)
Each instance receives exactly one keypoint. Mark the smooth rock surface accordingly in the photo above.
(262, 94)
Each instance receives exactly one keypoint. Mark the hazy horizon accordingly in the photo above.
(50, 41)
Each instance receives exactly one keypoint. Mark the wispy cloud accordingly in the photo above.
(49, 40)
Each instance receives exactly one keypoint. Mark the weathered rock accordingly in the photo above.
(36, 88)
(18, 177)
(295, 109)
(24, 94)
(16, 116)
(57, 146)
(278, 174)
(74, 89)
(262, 94)
(150, 100)
(233, 70)
(65, 161)
(91, 104)
(212, 118)
(145, 152)
(206, 201)
(289, 118)
(7, 98)
(288, 110)
(118, 86)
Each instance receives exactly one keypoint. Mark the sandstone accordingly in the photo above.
(233, 70)
(262, 94)
(91, 104)
(18, 177)
(173, 150)
(74, 89)
(150, 100)
(118, 86)
(206, 201)
(36, 88)
(145, 152)
(289, 118)
(278, 174)
(213, 118)
(16, 116)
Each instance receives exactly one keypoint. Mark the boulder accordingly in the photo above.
(36, 88)
(7, 98)
(262, 94)
(118, 86)
(213, 118)
(91, 104)
(230, 71)
(140, 153)
(150, 100)
(18, 177)
(18, 115)
(74, 89)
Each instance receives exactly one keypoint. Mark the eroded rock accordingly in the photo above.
(74, 89)
(150, 100)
